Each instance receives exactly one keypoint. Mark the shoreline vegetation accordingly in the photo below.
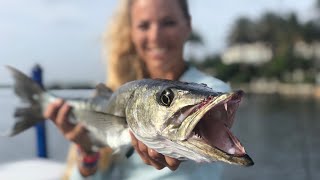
(270, 54)
(284, 89)
(60, 86)
(259, 87)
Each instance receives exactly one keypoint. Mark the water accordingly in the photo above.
(281, 134)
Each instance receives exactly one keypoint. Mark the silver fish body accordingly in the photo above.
(187, 121)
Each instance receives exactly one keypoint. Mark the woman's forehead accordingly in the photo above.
(156, 8)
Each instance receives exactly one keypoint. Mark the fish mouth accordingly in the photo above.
(214, 126)
(210, 121)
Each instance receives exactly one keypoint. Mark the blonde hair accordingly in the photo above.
(124, 63)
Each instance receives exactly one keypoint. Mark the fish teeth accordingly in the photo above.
(196, 135)
(226, 106)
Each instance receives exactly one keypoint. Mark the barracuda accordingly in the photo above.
(187, 121)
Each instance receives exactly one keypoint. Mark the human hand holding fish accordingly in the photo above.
(152, 157)
(185, 121)
(58, 112)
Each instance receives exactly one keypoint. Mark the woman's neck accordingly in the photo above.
(172, 73)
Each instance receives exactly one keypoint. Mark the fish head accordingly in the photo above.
(191, 118)
(154, 105)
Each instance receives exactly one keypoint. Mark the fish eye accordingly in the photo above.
(166, 97)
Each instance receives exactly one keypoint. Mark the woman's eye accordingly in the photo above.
(168, 23)
(143, 26)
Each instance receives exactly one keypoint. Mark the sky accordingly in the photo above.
(65, 37)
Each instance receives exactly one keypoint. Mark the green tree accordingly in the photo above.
(243, 31)
(195, 38)
(278, 31)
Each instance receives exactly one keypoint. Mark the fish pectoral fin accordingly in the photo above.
(102, 91)
(102, 121)
(111, 130)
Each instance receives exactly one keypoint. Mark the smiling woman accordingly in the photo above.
(126, 65)
(158, 33)
(145, 40)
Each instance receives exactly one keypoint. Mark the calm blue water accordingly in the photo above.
(281, 134)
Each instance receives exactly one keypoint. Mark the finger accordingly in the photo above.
(172, 163)
(143, 156)
(134, 140)
(143, 148)
(143, 152)
(62, 118)
(78, 134)
(157, 160)
(135, 144)
(156, 156)
(52, 109)
(156, 164)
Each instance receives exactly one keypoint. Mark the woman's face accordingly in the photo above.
(159, 31)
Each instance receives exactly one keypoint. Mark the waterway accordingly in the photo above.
(280, 133)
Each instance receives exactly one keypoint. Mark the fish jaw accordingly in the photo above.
(206, 130)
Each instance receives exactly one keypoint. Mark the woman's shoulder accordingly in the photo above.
(194, 75)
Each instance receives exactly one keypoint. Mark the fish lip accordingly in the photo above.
(248, 161)
(243, 160)
(205, 106)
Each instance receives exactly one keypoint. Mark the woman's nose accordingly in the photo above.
(155, 34)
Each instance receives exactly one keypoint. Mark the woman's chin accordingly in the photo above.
(160, 58)
(158, 62)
